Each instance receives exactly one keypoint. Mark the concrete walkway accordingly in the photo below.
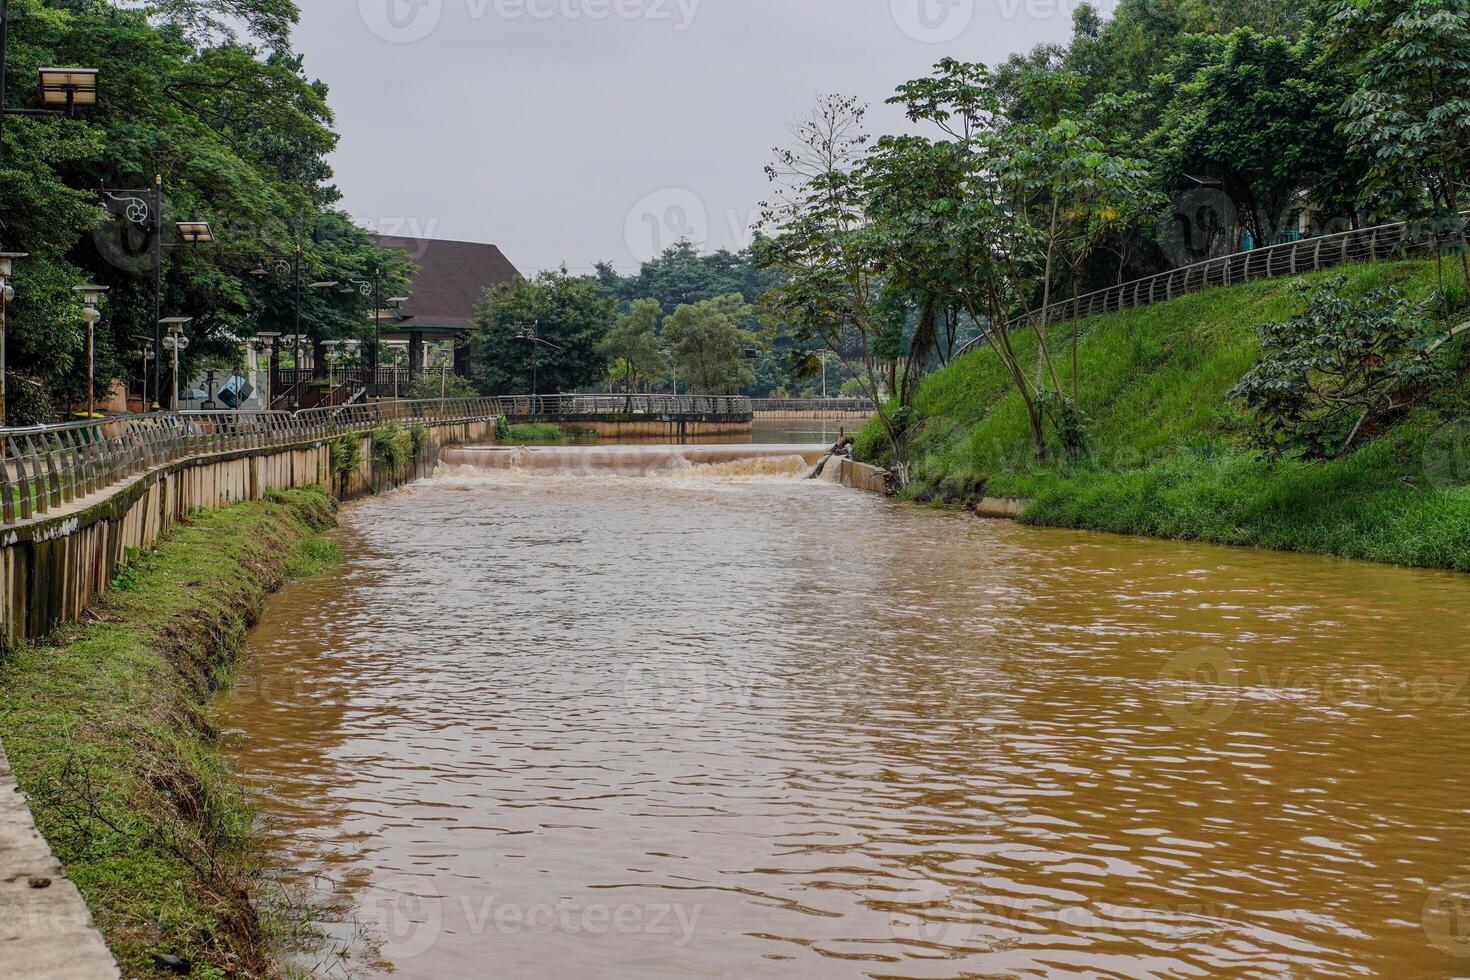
(46, 932)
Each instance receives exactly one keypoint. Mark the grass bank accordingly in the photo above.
(1168, 455)
(548, 433)
(109, 728)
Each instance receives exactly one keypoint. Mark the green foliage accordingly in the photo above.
(1169, 453)
(107, 727)
(433, 384)
(1344, 366)
(546, 433)
(709, 345)
(568, 312)
(1411, 109)
(239, 136)
(346, 453)
(633, 343)
(1260, 115)
(392, 449)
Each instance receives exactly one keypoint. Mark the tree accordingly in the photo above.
(1341, 368)
(1260, 116)
(559, 310)
(828, 282)
(1411, 108)
(710, 346)
(240, 137)
(633, 345)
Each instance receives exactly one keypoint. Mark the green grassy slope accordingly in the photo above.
(1168, 448)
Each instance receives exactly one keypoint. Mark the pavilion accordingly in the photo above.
(444, 295)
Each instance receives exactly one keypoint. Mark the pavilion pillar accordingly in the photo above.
(415, 355)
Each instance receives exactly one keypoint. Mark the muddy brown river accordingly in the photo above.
(713, 721)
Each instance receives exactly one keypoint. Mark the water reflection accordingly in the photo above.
(548, 725)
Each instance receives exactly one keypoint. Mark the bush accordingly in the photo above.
(392, 449)
(427, 387)
(346, 455)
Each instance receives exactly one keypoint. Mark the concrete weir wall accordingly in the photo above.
(52, 566)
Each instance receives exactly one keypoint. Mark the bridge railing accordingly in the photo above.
(1271, 262)
(854, 405)
(48, 466)
(573, 406)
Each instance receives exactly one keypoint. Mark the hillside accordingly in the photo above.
(1168, 455)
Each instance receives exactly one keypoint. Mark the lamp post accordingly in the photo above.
(7, 293)
(373, 290)
(529, 333)
(91, 297)
(145, 209)
(673, 367)
(175, 342)
(268, 339)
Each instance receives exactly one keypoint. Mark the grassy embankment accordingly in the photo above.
(109, 728)
(547, 433)
(1168, 449)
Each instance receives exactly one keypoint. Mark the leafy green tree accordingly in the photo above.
(710, 346)
(1411, 107)
(567, 313)
(1261, 116)
(239, 136)
(633, 345)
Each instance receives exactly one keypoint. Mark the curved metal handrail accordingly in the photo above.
(1269, 262)
(47, 466)
(574, 406)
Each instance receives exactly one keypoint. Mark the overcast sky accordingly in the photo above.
(568, 131)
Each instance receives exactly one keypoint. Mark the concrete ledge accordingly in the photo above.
(850, 473)
(46, 932)
(1000, 508)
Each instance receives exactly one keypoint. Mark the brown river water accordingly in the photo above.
(714, 721)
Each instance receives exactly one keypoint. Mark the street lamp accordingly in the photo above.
(175, 342)
(91, 299)
(68, 88)
(195, 232)
(268, 340)
(529, 334)
(7, 291)
(673, 367)
(72, 86)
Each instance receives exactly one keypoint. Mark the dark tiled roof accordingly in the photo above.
(452, 278)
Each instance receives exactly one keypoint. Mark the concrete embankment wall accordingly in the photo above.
(850, 473)
(52, 566)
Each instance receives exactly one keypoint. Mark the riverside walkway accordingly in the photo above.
(46, 932)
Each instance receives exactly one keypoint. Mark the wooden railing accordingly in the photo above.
(46, 467)
(570, 407)
(1271, 262)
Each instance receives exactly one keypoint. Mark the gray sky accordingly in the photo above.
(577, 130)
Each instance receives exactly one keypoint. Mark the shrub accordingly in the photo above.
(392, 449)
(346, 455)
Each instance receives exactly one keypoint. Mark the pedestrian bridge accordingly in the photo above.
(616, 408)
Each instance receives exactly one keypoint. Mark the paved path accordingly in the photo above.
(46, 932)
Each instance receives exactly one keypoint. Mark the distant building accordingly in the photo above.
(446, 292)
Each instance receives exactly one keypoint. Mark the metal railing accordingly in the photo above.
(853, 405)
(46, 467)
(1270, 262)
(660, 406)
